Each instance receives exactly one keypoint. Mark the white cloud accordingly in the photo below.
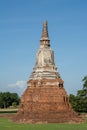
(20, 84)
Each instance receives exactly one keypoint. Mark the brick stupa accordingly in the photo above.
(45, 99)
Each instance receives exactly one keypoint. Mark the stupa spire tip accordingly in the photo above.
(45, 34)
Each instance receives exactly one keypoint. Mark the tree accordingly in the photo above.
(1, 100)
(79, 102)
(15, 98)
(7, 98)
(85, 82)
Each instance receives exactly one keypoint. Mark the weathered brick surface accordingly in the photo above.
(45, 104)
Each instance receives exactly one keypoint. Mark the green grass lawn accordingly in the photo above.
(6, 124)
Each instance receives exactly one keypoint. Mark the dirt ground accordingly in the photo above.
(6, 115)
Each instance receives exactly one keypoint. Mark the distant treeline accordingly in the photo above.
(8, 99)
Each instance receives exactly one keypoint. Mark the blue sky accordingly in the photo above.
(20, 31)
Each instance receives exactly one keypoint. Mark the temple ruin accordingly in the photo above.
(45, 98)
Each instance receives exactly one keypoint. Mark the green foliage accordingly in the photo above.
(6, 124)
(7, 98)
(1, 100)
(85, 82)
(14, 104)
(74, 101)
(79, 102)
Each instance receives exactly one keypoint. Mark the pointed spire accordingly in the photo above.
(45, 30)
(45, 35)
